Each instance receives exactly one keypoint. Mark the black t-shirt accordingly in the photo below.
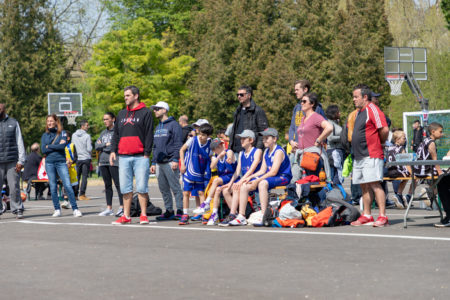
(185, 132)
(240, 128)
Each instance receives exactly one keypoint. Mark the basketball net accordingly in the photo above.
(395, 82)
(71, 116)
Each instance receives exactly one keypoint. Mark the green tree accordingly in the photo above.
(31, 63)
(133, 56)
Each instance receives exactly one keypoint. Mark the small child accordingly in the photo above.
(194, 167)
(398, 147)
(225, 163)
(427, 151)
(275, 171)
(71, 159)
(248, 163)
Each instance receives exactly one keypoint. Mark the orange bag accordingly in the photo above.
(322, 217)
(310, 161)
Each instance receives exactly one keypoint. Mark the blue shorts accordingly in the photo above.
(139, 166)
(226, 178)
(277, 181)
(193, 187)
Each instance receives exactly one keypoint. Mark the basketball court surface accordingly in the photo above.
(87, 258)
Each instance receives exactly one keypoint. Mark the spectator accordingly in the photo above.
(335, 149)
(248, 115)
(71, 160)
(110, 172)
(12, 159)
(417, 135)
(132, 142)
(53, 144)
(83, 144)
(301, 87)
(166, 155)
(370, 132)
(444, 194)
(224, 138)
(30, 171)
(186, 128)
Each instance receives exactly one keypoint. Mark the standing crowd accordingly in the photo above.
(244, 160)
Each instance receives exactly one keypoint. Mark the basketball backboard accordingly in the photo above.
(58, 103)
(400, 60)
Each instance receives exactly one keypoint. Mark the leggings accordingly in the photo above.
(108, 174)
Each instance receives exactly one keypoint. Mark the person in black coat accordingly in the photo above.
(30, 171)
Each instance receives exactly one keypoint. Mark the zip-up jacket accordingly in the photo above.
(133, 133)
(167, 141)
(11, 142)
(55, 152)
(255, 120)
(82, 141)
(104, 138)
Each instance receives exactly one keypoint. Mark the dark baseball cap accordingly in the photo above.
(269, 131)
(215, 143)
(373, 94)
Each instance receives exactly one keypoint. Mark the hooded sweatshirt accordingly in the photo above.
(133, 132)
(82, 141)
(168, 141)
(105, 150)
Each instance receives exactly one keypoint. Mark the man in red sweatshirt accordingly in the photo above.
(132, 142)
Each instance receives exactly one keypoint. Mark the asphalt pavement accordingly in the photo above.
(87, 258)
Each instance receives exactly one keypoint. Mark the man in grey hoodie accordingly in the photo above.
(82, 141)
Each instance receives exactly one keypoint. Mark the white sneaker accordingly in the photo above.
(239, 221)
(106, 212)
(202, 208)
(65, 204)
(213, 220)
(57, 213)
(77, 213)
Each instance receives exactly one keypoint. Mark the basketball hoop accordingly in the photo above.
(71, 116)
(395, 82)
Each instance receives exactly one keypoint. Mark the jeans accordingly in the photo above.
(109, 174)
(169, 182)
(60, 168)
(337, 164)
(83, 173)
(139, 166)
(8, 170)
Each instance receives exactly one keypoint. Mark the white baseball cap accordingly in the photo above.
(200, 122)
(161, 104)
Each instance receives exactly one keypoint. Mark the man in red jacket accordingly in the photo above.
(133, 141)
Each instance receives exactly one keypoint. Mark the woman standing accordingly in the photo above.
(53, 144)
(108, 172)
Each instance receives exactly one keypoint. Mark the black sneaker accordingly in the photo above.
(227, 220)
(390, 204)
(444, 223)
(398, 199)
(178, 215)
(166, 216)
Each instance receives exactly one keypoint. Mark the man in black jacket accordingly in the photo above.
(12, 159)
(417, 135)
(248, 115)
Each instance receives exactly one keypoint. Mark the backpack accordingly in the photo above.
(135, 210)
(346, 211)
(271, 217)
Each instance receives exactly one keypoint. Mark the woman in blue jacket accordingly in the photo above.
(53, 143)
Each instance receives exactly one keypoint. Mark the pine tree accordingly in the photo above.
(31, 63)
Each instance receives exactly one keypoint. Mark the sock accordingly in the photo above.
(215, 210)
(185, 211)
(208, 200)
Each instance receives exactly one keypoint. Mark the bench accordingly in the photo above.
(280, 191)
(34, 181)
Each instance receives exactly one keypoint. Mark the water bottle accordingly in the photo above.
(414, 156)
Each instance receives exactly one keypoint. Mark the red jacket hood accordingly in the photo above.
(141, 105)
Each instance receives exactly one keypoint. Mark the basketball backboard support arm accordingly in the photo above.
(415, 89)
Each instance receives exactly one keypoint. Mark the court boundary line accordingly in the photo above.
(154, 225)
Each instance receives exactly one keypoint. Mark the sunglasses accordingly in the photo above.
(156, 108)
(240, 94)
(304, 101)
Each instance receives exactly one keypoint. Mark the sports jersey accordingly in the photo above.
(224, 168)
(197, 160)
(392, 151)
(423, 153)
(366, 139)
(285, 167)
(247, 161)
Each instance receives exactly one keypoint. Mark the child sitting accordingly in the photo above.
(398, 147)
(194, 167)
(248, 163)
(275, 171)
(427, 151)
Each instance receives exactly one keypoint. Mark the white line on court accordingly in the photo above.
(411, 237)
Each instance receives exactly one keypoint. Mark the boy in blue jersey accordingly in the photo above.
(275, 171)
(195, 157)
(249, 162)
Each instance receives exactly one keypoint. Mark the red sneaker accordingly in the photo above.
(143, 220)
(184, 220)
(363, 220)
(122, 221)
(381, 222)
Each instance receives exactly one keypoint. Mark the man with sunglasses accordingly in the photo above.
(248, 115)
(167, 142)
